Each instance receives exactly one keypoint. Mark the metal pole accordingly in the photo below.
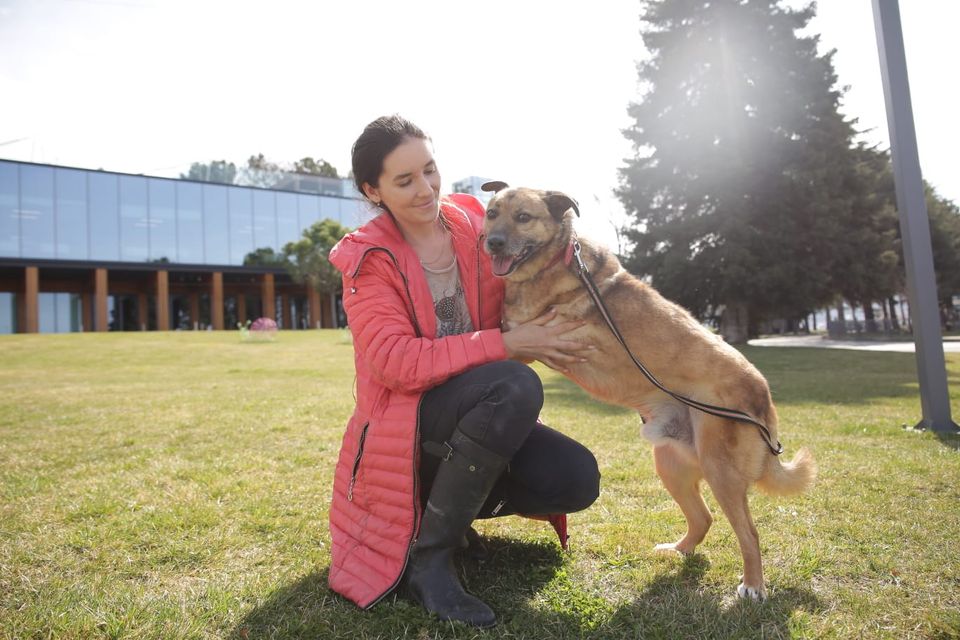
(914, 223)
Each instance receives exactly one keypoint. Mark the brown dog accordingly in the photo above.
(529, 235)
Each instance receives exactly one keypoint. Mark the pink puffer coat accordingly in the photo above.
(375, 510)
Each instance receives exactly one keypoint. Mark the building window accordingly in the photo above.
(9, 210)
(134, 221)
(104, 207)
(71, 192)
(162, 220)
(8, 313)
(37, 229)
(59, 312)
(216, 225)
(190, 223)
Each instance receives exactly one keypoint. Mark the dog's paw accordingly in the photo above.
(672, 547)
(751, 593)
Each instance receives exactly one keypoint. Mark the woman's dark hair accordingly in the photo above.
(378, 139)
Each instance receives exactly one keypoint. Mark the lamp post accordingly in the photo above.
(914, 223)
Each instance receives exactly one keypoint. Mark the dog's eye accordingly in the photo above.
(491, 214)
(524, 217)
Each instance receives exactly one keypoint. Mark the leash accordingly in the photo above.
(721, 412)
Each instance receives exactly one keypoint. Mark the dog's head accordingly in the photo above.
(525, 228)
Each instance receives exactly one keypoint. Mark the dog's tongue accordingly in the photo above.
(501, 265)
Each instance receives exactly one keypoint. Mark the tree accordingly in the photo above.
(264, 257)
(219, 171)
(307, 258)
(318, 167)
(868, 267)
(735, 181)
(945, 239)
(261, 172)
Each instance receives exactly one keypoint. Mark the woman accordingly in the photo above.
(443, 405)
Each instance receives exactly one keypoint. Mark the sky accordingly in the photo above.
(531, 92)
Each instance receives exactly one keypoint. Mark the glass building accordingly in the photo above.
(85, 250)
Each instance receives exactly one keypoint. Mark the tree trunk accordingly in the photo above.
(894, 321)
(734, 324)
(868, 318)
(841, 319)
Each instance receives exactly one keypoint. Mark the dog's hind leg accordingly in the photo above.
(730, 490)
(681, 476)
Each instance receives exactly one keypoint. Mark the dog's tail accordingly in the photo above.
(790, 478)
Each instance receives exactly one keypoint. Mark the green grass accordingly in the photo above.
(176, 485)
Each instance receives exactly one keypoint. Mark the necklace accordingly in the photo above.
(445, 241)
(446, 269)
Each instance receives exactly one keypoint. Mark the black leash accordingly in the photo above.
(721, 412)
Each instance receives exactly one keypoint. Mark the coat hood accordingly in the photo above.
(383, 233)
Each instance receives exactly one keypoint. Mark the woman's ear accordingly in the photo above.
(372, 193)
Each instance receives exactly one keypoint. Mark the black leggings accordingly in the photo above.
(497, 406)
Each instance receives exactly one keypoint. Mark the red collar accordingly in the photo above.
(565, 254)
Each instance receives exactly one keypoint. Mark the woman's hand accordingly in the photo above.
(534, 340)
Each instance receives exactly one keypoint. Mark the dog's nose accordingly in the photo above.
(495, 243)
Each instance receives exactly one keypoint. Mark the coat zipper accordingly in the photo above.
(356, 462)
(479, 294)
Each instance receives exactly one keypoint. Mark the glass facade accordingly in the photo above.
(59, 312)
(8, 312)
(73, 214)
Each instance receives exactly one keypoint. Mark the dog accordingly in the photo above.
(529, 236)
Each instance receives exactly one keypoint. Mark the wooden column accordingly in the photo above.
(101, 321)
(313, 299)
(195, 309)
(143, 307)
(242, 308)
(327, 313)
(268, 296)
(163, 301)
(31, 300)
(86, 310)
(216, 301)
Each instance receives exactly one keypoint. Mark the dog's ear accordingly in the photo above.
(494, 185)
(558, 203)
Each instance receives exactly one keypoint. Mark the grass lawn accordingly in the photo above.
(176, 485)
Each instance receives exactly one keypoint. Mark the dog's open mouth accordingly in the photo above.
(504, 265)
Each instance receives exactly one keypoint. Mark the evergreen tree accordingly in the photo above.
(868, 267)
(739, 149)
(945, 239)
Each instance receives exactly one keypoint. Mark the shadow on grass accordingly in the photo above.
(951, 440)
(675, 606)
(308, 608)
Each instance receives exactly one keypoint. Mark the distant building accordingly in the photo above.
(88, 250)
(472, 186)
(84, 250)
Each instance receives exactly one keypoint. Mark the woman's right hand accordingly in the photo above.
(534, 340)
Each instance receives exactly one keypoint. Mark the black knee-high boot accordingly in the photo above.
(463, 481)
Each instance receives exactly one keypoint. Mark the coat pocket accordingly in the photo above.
(356, 461)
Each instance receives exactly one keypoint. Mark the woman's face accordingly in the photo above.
(409, 184)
